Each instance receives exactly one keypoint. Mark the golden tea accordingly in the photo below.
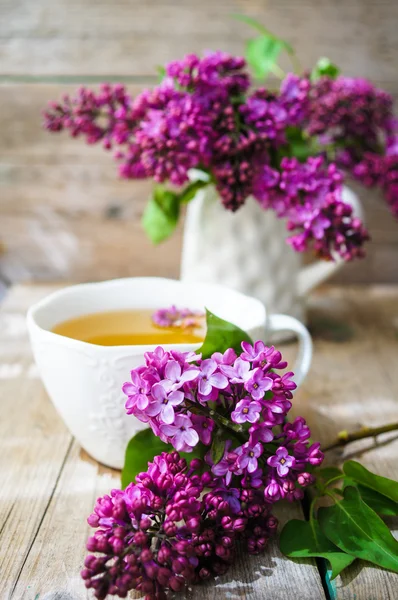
(128, 328)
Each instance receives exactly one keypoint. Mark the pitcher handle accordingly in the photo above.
(303, 361)
(317, 272)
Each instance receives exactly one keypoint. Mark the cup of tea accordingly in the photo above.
(87, 338)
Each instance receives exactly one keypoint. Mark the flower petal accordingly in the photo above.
(173, 370)
(167, 414)
(158, 392)
(189, 375)
(219, 381)
(190, 437)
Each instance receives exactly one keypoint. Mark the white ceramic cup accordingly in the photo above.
(84, 380)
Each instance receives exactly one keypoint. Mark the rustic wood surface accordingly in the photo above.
(61, 202)
(49, 485)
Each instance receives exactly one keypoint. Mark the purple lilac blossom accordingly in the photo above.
(190, 399)
(203, 116)
(176, 317)
(357, 118)
(309, 196)
(165, 531)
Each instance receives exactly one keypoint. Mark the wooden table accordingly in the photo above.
(49, 485)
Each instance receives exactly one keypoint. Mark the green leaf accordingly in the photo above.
(303, 539)
(161, 214)
(300, 144)
(383, 485)
(356, 529)
(141, 450)
(324, 67)
(161, 73)
(379, 503)
(266, 32)
(262, 54)
(191, 190)
(328, 473)
(143, 447)
(221, 335)
(218, 446)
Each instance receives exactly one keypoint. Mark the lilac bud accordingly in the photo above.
(140, 538)
(272, 523)
(176, 584)
(163, 575)
(305, 479)
(193, 524)
(239, 524)
(204, 573)
(196, 464)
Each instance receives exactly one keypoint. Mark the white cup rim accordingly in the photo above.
(256, 318)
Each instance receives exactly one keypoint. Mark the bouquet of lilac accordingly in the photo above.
(275, 146)
(287, 148)
(218, 455)
(179, 524)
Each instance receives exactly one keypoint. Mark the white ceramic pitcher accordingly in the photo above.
(247, 251)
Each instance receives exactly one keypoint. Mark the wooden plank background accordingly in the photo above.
(63, 213)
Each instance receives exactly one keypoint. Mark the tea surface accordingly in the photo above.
(128, 328)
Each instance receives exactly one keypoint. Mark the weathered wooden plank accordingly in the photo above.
(56, 554)
(33, 446)
(128, 36)
(354, 382)
(54, 246)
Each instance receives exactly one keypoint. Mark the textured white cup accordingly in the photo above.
(84, 380)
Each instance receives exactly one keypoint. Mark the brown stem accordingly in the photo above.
(344, 437)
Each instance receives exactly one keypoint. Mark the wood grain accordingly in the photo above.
(130, 37)
(48, 184)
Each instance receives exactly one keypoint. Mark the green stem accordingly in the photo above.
(335, 479)
(219, 419)
(344, 437)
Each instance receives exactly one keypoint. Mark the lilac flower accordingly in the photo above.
(260, 433)
(258, 384)
(253, 480)
(269, 358)
(137, 392)
(309, 195)
(226, 466)
(209, 378)
(272, 491)
(246, 410)
(176, 317)
(175, 378)
(240, 372)
(231, 496)
(298, 430)
(315, 456)
(228, 358)
(282, 461)
(204, 427)
(248, 455)
(157, 359)
(251, 353)
(182, 433)
(163, 403)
